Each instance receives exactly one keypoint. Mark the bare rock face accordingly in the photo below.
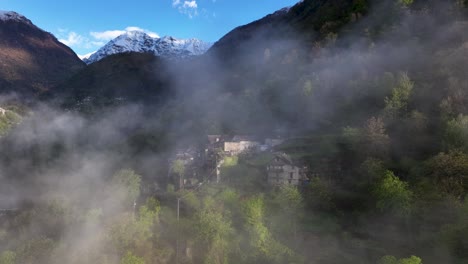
(31, 60)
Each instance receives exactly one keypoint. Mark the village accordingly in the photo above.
(190, 167)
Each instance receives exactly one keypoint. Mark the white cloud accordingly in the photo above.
(189, 8)
(95, 40)
(148, 32)
(190, 4)
(107, 35)
(73, 39)
(111, 34)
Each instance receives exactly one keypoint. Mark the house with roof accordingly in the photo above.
(281, 170)
(240, 144)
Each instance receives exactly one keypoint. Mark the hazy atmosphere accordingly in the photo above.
(319, 131)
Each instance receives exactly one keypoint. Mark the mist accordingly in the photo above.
(368, 109)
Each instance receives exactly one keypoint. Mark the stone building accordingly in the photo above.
(236, 148)
(281, 170)
(241, 144)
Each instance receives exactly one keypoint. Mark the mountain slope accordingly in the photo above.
(307, 20)
(31, 60)
(137, 41)
(119, 78)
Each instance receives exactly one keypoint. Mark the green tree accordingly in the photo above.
(388, 260)
(376, 138)
(8, 120)
(392, 194)
(352, 137)
(454, 235)
(406, 3)
(289, 198)
(308, 88)
(450, 173)
(290, 203)
(178, 168)
(7, 257)
(126, 184)
(394, 260)
(130, 233)
(456, 133)
(214, 232)
(319, 195)
(372, 170)
(230, 161)
(397, 104)
(262, 245)
(35, 251)
(129, 258)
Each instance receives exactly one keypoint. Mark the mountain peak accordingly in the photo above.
(13, 16)
(135, 33)
(142, 42)
(168, 38)
(32, 60)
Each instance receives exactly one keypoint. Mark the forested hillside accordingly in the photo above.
(369, 100)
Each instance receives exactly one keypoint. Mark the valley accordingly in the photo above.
(331, 131)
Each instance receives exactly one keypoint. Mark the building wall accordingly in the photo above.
(239, 147)
(284, 175)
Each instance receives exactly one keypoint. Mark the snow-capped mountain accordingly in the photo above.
(138, 41)
(10, 15)
(86, 56)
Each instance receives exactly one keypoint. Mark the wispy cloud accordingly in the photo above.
(72, 39)
(148, 32)
(189, 8)
(190, 4)
(107, 35)
(75, 40)
(95, 39)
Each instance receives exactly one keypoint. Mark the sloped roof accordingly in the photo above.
(281, 158)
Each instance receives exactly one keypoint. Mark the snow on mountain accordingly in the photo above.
(13, 16)
(86, 56)
(10, 15)
(139, 41)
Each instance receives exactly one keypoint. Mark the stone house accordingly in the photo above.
(236, 148)
(240, 144)
(281, 170)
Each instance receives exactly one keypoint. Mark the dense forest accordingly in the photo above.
(376, 91)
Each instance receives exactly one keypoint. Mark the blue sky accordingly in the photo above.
(86, 25)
